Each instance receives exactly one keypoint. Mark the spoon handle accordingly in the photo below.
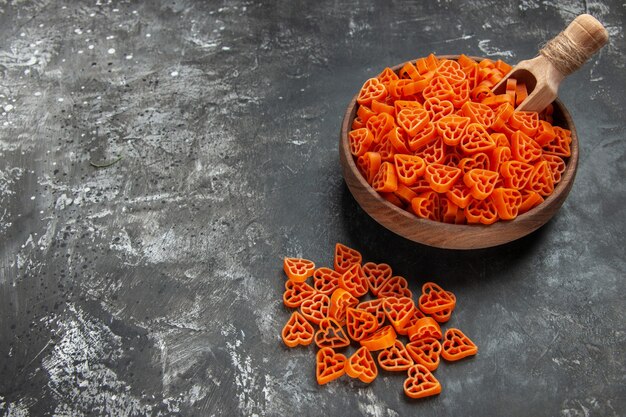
(571, 48)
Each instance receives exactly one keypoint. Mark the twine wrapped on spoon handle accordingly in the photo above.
(566, 55)
(571, 48)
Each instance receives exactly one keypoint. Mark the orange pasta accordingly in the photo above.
(434, 117)
(338, 312)
(330, 365)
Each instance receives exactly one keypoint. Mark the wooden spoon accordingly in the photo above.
(561, 56)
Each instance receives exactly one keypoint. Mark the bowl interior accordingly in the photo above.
(451, 236)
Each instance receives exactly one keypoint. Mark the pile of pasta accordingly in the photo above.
(357, 311)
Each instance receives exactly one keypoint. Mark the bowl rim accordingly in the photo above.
(520, 226)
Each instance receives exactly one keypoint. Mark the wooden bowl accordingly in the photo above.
(452, 236)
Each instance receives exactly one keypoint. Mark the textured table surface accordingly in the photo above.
(153, 286)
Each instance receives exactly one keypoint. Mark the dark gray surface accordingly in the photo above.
(153, 286)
